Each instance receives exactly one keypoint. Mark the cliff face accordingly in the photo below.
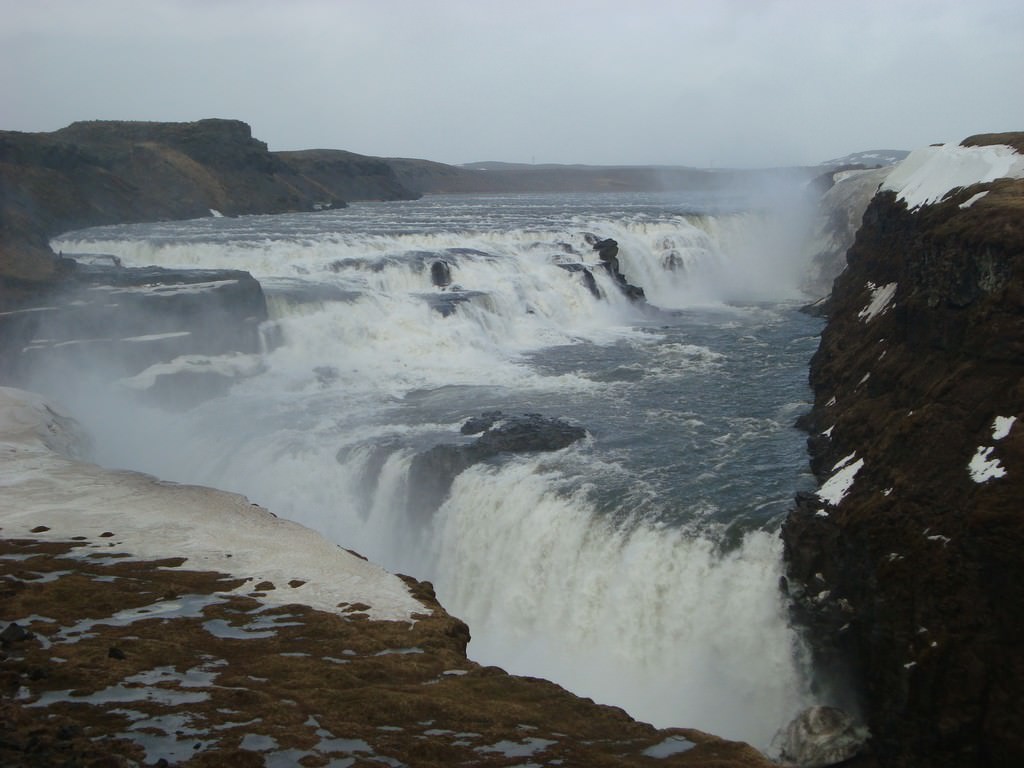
(104, 172)
(908, 564)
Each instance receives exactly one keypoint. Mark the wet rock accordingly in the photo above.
(819, 737)
(477, 424)
(441, 274)
(586, 275)
(608, 252)
(14, 633)
(432, 472)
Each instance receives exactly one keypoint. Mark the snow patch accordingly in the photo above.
(41, 483)
(836, 487)
(929, 174)
(1001, 426)
(844, 461)
(983, 468)
(972, 200)
(881, 301)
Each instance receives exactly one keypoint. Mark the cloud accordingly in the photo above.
(726, 83)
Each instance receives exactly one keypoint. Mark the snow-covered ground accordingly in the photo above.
(48, 492)
(930, 173)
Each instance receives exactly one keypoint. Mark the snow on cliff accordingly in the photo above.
(930, 173)
(46, 492)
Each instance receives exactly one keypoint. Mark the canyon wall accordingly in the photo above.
(907, 566)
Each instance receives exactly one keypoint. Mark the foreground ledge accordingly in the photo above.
(148, 623)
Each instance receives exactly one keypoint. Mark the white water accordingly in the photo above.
(639, 567)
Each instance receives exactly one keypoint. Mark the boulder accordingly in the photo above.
(441, 274)
(819, 737)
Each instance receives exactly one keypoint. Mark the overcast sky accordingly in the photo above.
(704, 83)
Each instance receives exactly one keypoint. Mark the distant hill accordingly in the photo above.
(104, 172)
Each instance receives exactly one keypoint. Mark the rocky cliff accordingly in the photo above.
(907, 566)
(103, 172)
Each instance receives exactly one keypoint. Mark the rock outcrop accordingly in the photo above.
(105, 172)
(608, 251)
(908, 564)
(148, 326)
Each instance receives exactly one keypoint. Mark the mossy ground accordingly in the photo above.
(131, 662)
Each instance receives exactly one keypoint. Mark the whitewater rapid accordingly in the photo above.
(640, 566)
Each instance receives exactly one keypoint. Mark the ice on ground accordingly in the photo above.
(42, 483)
(983, 468)
(836, 487)
(844, 461)
(1001, 426)
(881, 301)
(927, 175)
(972, 200)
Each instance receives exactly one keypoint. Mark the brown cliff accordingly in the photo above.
(914, 580)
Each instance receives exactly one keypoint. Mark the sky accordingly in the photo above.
(706, 83)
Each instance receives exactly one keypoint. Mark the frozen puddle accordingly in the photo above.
(673, 745)
(141, 687)
(525, 748)
(188, 606)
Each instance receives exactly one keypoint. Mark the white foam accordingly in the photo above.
(151, 519)
(929, 174)
(637, 615)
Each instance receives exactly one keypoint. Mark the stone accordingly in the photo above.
(433, 471)
(441, 274)
(820, 736)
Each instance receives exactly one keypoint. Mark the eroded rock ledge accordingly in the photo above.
(908, 564)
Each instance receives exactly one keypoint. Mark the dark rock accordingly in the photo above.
(608, 252)
(14, 633)
(441, 274)
(528, 433)
(432, 472)
(477, 424)
(447, 302)
(115, 653)
(587, 276)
